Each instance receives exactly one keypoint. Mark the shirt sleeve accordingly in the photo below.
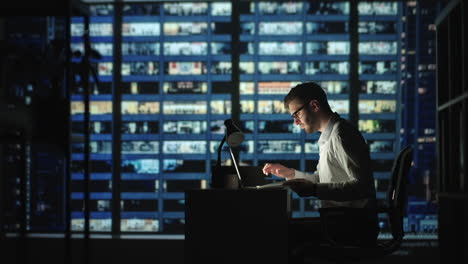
(313, 177)
(352, 155)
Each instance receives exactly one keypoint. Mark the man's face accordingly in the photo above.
(305, 114)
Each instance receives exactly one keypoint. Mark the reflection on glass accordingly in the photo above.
(139, 107)
(140, 68)
(247, 28)
(104, 49)
(100, 29)
(246, 67)
(139, 225)
(246, 147)
(221, 67)
(143, 166)
(184, 127)
(278, 127)
(379, 87)
(220, 48)
(101, 147)
(378, 67)
(246, 87)
(327, 27)
(327, 67)
(217, 127)
(140, 48)
(311, 147)
(77, 224)
(378, 47)
(377, 27)
(280, 8)
(178, 165)
(339, 106)
(140, 147)
(247, 106)
(188, 87)
(185, 48)
(140, 29)
(275, 87)
(280, 48)
(101, 10)
(96, 107)
(380, 145)
(184, 147)
(335, 87)
(185, 28)
(221, 9)
(220, 107)
(185, 68)
(377, 126)
(328, 8)
(377, 106)
(140, 127)
(378, 8)
(184, 107)
(271, 107)
(280, 28)
(279, 67)
(151, 9)
(328, 47)
(140, 88)
(185, 9)
(104, 68)
(278, 146)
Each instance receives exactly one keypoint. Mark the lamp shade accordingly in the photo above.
(234, 135)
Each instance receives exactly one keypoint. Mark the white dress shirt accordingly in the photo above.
(344, 177)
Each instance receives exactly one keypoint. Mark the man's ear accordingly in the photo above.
(315, 105)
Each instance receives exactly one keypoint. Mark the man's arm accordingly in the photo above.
(288, 173)
(313, 177)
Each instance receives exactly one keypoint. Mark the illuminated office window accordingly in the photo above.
(378, 8)
(100, 192)
(176, 93)
(280, 28)
(140, 29)
(327, 28)
(379, 70)
(328, 47)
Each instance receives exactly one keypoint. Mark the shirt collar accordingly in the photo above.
(331, 122)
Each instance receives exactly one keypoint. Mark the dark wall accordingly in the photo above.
(128, 251)
(115, 251)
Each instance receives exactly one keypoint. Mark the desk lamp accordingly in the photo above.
(234, 138)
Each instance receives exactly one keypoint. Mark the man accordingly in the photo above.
(343, 177)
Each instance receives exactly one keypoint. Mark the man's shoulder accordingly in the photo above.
(344, 126)
(345, 130)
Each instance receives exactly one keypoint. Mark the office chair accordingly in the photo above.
(395, 210)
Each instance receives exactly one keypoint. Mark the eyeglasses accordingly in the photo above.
(295, 114)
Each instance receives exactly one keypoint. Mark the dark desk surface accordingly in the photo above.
(237, 226)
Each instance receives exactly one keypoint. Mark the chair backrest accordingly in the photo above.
(397, 196)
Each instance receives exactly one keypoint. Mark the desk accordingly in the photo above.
(237, 226)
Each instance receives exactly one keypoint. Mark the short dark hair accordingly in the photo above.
(305, 92)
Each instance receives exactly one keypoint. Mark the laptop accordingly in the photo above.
(252, 177)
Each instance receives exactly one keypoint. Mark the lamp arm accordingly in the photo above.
(219, 151)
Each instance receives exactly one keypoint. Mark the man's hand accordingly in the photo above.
(302, 187)
(278, 170)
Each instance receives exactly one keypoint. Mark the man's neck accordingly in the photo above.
(324, 121)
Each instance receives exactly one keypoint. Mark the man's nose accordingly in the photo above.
(297, 121)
